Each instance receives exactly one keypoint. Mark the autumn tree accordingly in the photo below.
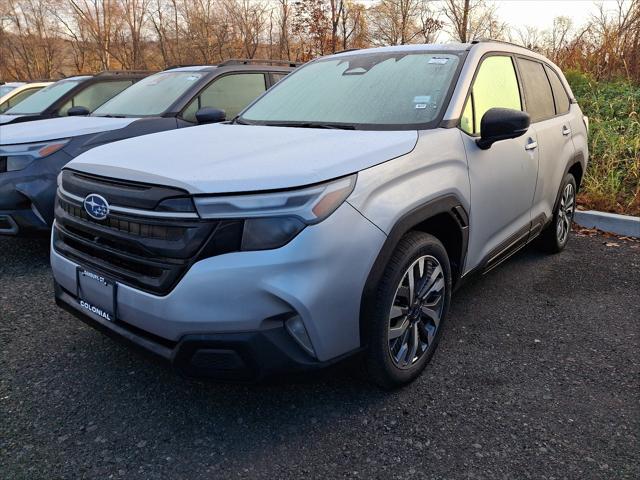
(30, 44)
(398, 22)
(472, 19)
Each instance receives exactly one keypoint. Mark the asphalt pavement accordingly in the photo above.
(537, 376)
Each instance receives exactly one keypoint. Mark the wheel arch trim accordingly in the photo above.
(449, 205)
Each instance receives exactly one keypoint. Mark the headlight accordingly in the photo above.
(273, 219)
(21, 155)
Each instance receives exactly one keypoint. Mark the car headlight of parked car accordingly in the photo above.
(21, 155)
(272, 219)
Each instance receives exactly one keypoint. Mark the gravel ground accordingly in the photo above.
(537, 376)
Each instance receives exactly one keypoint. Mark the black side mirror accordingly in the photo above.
(78, 111)
(501, 124)
(210, 115)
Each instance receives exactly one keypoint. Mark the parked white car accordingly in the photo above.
(12, 93)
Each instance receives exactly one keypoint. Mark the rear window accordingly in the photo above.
(559, 93)
(537, 90)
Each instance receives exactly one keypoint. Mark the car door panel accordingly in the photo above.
(503, 177)
(548, 105)
(555, 151)
(502, 188)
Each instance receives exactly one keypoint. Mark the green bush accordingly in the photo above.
(612, 179)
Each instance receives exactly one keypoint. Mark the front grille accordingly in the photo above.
(145, 252)
(132, 227)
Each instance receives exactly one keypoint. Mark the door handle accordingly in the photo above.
(531, 146)
(566, 130)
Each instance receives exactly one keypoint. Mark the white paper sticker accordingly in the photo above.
(438, 60)
(422, 99)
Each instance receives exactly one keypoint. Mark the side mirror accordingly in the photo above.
(501, 124)
(210, 115)
(78, 111)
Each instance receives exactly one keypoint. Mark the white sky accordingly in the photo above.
(540, 13)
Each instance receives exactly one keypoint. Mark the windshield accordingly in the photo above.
(43, 99)
(392, 89)
(150, 96)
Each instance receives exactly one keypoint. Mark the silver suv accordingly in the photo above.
(334, 216)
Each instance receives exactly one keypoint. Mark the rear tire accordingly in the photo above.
(555, 237)
(410, 306)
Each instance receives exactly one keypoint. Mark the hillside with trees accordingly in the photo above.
(48, 39)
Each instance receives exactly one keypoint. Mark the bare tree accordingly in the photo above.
(398, 22)
(529, 37)
(32, 48)
(249, 19)
(100, 19)
(471, 19)
(135, 15)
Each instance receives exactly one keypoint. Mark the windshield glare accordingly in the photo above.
(150, 96)
(43, 99)
(393, 89)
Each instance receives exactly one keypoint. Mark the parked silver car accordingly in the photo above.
(333, 217)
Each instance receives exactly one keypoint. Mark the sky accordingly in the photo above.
(540, 13)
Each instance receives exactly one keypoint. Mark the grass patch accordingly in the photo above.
(611, 182)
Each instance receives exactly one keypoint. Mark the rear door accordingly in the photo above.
(503, 177)
(547, 103)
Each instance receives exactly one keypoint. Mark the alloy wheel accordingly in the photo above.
(416, 311)
(565, 213)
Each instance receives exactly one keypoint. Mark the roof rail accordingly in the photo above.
(183, 65)
(125, 72)
(346, 50)
(249, 61)
(493, 40)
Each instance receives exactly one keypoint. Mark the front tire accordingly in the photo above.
(556, 236)
(410, 306)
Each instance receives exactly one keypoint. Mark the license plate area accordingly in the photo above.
(96, 294)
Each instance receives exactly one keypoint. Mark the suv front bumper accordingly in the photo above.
(239, 302)
(240, 356)
(27, 196)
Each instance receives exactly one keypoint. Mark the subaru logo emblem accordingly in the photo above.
(96, 206)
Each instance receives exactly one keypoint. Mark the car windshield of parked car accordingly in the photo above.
(150, 96)
(40, 101)
(397, 90)
(4, 89)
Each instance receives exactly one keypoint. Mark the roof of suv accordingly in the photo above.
(238, 64)
(482, 45)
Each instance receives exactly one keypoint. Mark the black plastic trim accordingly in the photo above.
(246, 356)
(448, 204)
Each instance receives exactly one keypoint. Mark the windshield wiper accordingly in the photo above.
(111, 116)
(339, 126)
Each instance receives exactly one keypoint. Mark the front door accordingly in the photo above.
(502, 178)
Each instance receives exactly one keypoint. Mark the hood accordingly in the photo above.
(55, 128)
(7, 119)
(241, 158)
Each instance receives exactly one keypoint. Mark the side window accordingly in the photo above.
(537, 90)
(230, 93)
(495, 85)
(95, 95)
(277, 76)
(559, 93)
(17, 98)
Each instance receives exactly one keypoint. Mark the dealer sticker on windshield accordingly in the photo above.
(438, 60)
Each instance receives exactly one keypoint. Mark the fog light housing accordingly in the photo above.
(296, 329)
